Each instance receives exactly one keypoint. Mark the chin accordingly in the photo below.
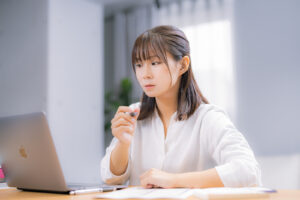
(150, 94)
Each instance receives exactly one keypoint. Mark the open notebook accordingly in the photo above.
(183, 193)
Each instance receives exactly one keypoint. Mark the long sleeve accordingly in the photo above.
(237, 166)
(107, 176)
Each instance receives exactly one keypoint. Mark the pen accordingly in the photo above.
(132, 114)
(128, 136)
(92, 190)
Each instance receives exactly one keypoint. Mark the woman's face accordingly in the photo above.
(155, 78)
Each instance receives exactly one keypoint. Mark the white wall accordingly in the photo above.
(51, 55)
(75, 85)
(267, 46)
(23, 56)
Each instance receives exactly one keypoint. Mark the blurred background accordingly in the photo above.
(72, 59)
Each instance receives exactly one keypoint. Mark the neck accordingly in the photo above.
(167, 103)
(166, 108)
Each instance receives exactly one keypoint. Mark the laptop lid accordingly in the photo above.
(28, 154)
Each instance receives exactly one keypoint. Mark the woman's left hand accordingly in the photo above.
(154, 178)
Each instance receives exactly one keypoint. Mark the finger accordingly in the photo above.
(121, 115)
(124, 109)
(134, 114)
(149, 186)
(144, 183)
(145, 174)
(137, 111)
(121, 122)
(124, 137)
(124, 129)
(148, 183)
(124, 116)
(148, 173)
(147, 178)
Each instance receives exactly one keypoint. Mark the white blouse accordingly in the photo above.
(207, 139)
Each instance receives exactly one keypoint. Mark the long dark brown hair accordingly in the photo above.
(160, 40)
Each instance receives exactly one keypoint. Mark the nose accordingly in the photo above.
(147, 72)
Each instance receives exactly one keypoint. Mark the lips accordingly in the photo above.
(149, 86)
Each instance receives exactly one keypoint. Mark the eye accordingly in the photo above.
(138, 65)
(155, 63)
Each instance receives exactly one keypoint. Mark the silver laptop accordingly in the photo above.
(29, 158)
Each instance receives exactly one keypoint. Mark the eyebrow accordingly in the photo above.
(150, 57)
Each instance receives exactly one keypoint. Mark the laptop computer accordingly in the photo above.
(29, 158)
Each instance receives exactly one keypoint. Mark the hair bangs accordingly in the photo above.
(146, 46)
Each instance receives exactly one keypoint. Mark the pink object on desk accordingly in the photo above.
(1, 173)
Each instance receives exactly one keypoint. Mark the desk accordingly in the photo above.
(13, 194)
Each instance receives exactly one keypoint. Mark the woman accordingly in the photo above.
(176, 139)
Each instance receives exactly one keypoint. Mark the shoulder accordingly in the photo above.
(216, 126)
(210, 115)
(209, 111)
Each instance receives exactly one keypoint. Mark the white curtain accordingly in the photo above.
(207, 24)
(121, 30)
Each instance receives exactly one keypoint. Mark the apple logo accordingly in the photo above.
(22, 152)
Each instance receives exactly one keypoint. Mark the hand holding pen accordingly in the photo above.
(123, 124)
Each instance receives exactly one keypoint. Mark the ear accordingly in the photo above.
(185, 63)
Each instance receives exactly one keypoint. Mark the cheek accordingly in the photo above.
(164, 78)
(175, 75)
(138, 76)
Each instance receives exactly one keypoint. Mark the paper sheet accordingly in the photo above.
(226, 190)
(139, 192)
(3, 186)
(179, 193)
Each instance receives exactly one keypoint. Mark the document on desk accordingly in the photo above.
(233, 193)
(182, 193)
(142, 193)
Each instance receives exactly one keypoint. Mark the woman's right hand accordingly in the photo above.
(123, 125)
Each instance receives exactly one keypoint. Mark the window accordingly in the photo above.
(211, 57)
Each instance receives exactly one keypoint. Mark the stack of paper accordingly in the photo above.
(180, 193)
(3, 186)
